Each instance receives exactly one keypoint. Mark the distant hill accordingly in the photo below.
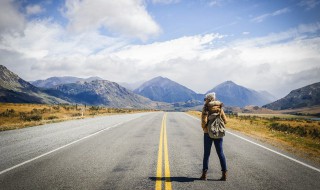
(232, 94)
(188, 105)
(54, 81)
(131, 86)
(268, 96)
(165, 90)
(95, 92)
(303, 97)
(101, 92)
(16, 90)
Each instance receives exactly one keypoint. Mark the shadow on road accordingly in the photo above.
(178, 179)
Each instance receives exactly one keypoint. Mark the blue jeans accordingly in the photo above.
(207, 149)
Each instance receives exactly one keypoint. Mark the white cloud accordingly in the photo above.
(11, 20)
(44, 38)
(245, 33)
(127, 18)
(270, 63)
(193, 61)
(301, 31)
(267, 15)
(187, 47)
(34, 9)
(165, 1)
(308, 4)
(217, 3)
(214, 3)
(280, 12)
(277, 62)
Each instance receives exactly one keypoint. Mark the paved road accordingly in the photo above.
(122, 152)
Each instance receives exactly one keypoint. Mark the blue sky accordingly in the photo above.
(234, 18)
(230, 17)
(263, 45)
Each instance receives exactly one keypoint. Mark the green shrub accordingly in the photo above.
(56, 107)
(299, 130)
(315, 133)
(95, 108)
(35, 111)
(8, 113)
(76, 115)
(33, 117)
(52, 117)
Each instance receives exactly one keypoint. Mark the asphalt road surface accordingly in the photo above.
(141, 151)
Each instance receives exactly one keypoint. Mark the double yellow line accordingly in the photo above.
(163, 143)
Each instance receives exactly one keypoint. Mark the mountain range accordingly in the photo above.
(157, 93)
(16, 90)
(54, 81)
(96, 92)
(303, 97)
(232, 94)
(165, 90)
(100, 92)
(131, 86)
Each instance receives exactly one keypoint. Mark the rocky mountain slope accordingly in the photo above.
(165, 90)
(16, 90)
(232, 94)
(101, 92)
(95, 92)
(131, 86)
(54, 81)
(303, 97)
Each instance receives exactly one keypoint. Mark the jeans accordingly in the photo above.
(207, 149)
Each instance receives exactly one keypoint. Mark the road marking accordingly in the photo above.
(159, 164)
(166, 156)
(64, 146)
(266, 148)
(163, 140)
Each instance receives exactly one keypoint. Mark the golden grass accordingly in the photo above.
(258, 128)
(306, 110)
(15, 116)
(274, 115)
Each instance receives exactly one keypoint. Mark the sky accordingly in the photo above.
(266, 45)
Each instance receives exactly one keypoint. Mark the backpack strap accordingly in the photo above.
(220, 111)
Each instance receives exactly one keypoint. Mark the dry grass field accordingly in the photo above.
(15, 116)
(275, 115)
(298, 135)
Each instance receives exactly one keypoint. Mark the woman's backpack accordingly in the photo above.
(216, 126)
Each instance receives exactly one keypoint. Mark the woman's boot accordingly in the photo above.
(204, 175)
(224, 176)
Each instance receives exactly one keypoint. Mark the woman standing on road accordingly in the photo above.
(212, 110)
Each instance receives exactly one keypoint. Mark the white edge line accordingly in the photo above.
(64, 146)
(288, 157)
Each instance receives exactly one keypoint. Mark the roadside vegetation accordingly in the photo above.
(15, 116)
(298, 135)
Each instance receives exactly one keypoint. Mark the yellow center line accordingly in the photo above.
(163, 140)
(159, 165)
(166, 157)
